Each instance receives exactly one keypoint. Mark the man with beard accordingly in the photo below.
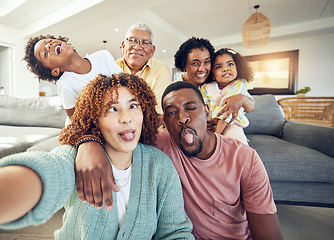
(225, 186)
(224, 183)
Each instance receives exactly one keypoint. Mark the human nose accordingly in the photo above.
(125, 117)
(48, 45)
(183, 118)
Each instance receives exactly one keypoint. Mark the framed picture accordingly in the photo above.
(274, 73)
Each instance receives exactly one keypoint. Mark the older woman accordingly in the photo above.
(120, 111)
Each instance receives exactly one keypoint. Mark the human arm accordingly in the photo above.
(220, 127)
(94, 178)
(56, 171)
(20, 190)
(236, 97)
(264, 226)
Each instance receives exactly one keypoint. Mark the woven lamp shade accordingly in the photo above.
(256, 31)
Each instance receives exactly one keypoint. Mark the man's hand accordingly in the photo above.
(94, 177)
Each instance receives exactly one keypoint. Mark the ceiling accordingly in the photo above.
(88, 23)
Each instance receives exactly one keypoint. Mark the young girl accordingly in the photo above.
(120, 111)
(230, 73)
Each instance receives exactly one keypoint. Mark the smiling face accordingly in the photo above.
(185, 117)
(136, 56)
(122, 125)
(53, 53)
(198, 66)
(224, 70)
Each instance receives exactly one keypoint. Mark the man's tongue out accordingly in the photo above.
(188, 135)
(127, 135)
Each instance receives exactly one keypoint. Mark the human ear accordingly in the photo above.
(123, 47)
(55, 72)
(152, 51)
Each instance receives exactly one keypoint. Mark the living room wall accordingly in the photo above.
(24, 84)
(316, 58)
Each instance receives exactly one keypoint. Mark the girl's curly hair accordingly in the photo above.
(35, 66)
(181, 56)
(243, 69)
(95, 100)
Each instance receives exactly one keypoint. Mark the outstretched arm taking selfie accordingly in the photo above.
(20, 190)
(34, 186)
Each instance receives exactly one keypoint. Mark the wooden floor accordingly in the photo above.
(297, 223)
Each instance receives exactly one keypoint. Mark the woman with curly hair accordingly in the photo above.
(195, 57)
(120, 111)
(52, 59)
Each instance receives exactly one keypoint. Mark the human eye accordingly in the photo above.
(208, 62)
(217, 67)
(134, 106)
(112, 109)
(145, 43)
(195, 64)
(191, 107)
(132, 40)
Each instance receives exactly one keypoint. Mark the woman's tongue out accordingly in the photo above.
(127, 135)
(188, 135)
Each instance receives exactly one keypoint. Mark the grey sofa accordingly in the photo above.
(26, 122)
(299, 158)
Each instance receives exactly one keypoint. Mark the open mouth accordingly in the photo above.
(127, 135)
(60, 48)
(188, 135)
(57, 50)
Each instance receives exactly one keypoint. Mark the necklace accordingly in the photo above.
(127, 180)
(119, 173)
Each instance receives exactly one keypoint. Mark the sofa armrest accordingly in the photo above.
(316, 137)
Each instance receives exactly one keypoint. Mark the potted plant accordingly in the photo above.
(303, 91)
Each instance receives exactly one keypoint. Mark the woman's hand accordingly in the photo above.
(94, 177)
(232, 104)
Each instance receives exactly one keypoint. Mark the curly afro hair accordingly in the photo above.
(93, 102)
(181, 56)
(35, 66)
(244, 71)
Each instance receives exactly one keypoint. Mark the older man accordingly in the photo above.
(225, 186)
(138, 50)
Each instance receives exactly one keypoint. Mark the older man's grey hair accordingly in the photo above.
(139, 26)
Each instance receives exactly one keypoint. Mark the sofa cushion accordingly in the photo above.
(289, 162)
(38, 112)
(266, 118)
(15, 139)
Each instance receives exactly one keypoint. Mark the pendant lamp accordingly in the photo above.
(256, 30)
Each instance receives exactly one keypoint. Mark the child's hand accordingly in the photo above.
(94, 177)
(231, 105)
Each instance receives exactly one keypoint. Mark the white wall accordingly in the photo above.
(315, 64)
(23, 82)
(316, 61)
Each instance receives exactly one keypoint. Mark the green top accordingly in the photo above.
(155, 210)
